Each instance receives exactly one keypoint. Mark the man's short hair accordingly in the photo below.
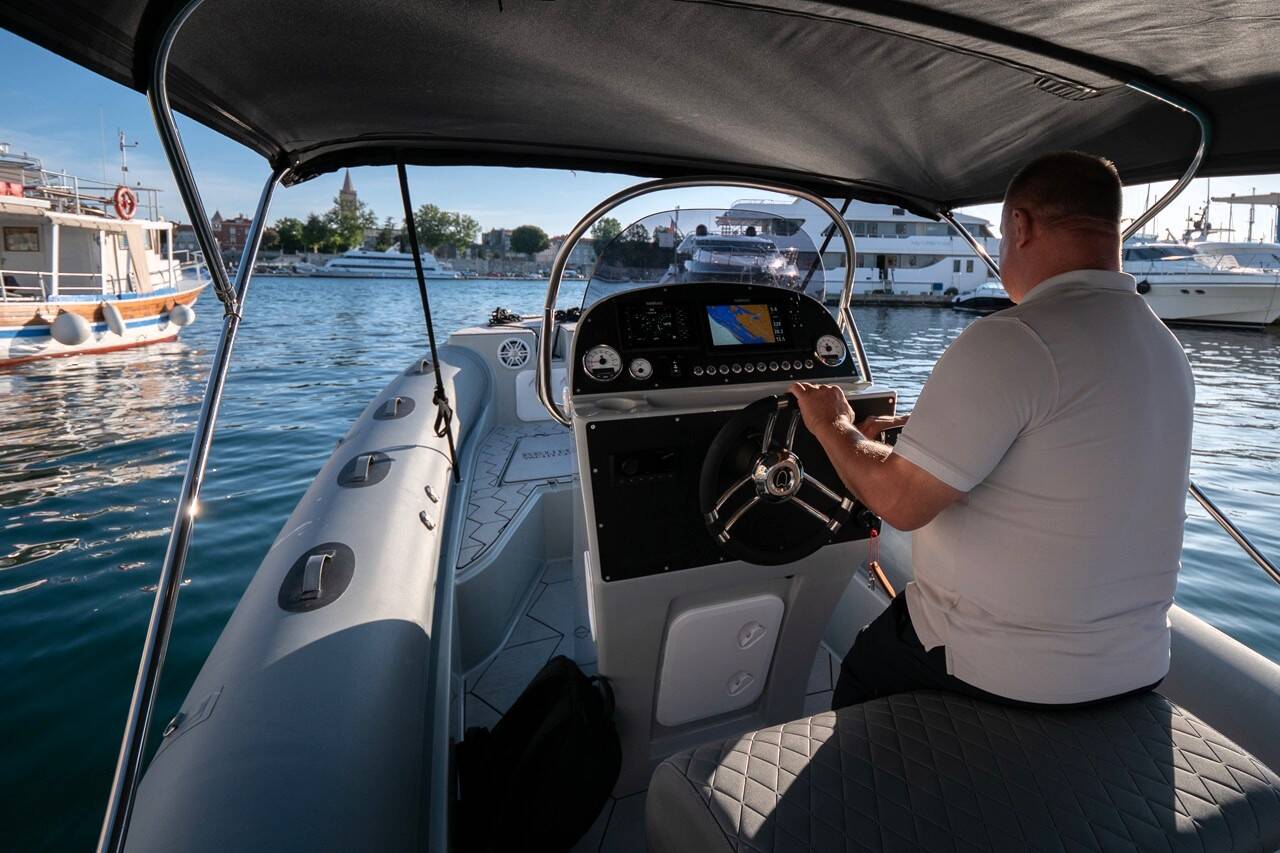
(1068, 184)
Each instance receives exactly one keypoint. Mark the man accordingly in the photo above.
(1043, 470)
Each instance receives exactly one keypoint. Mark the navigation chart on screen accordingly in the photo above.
(741, 324)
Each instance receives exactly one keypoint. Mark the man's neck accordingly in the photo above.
(1057, 266)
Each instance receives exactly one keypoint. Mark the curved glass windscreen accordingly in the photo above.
(692, 246)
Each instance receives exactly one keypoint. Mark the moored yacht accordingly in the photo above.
(898, 250)
(1184, 285)
(986, 298)
(368, 263)
(628, 492)
(81, 271)
(1255, 255)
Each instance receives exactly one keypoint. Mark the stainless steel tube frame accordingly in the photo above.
(1234, 532)
(978, 248)
(158, 97)
(1206, 136)
(115, 824)
(546, 343)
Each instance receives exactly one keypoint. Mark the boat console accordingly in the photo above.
(714, 535)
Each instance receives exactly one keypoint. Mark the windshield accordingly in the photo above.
(714, 245)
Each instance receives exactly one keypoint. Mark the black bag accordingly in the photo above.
(540, 778)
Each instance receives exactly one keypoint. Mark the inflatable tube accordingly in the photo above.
(115, 320)
(182, 315)
(320, 699)
(71, 329)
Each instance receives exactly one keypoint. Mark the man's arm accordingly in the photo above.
(901, 493)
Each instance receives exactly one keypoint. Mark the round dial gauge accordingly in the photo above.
(602, 363)
(640, 368)
(830, 350)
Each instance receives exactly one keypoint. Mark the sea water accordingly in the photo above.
(92, 450)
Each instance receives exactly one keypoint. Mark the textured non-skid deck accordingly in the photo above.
(555, 623)
(514, 460)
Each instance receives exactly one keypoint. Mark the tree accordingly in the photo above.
(289, 233)
(348, 223)
(605, 230)
(270, 239)
(529, 240)
(315, 233)
(387, 236)
(438, 228)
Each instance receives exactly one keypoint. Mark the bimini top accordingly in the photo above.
(932, 103)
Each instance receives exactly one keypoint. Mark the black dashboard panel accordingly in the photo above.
(680, 336)
(644, 483)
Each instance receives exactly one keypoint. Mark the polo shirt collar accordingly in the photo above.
(1090, 279)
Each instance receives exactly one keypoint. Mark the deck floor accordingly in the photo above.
(554, 622)
(505, 476)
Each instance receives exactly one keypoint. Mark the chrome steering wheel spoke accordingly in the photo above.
(724, 536)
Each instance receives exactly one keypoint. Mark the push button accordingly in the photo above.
(749, 367)
(697, 370)
(724, 370)
(736, 367)
(760, 366)
(773, 365)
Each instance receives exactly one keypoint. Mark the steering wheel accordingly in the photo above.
(756, 499)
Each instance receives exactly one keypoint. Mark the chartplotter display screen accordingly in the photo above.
(745, 325)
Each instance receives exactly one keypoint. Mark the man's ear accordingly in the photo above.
(1023, 225)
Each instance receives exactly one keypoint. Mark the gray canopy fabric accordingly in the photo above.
(933, 103)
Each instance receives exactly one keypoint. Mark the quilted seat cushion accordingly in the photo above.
(933, 771)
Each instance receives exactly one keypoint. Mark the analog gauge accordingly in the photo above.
(640, 368)
(602, 363)
(830, 350)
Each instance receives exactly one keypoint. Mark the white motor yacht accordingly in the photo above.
(1182, 284)
(1255, 255)
(392, 263)
(629, 488)
(898, 250)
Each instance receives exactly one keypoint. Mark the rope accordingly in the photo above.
(444, 412)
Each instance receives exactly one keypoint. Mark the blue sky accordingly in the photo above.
(67, 116)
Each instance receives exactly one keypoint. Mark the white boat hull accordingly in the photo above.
(1246, 303)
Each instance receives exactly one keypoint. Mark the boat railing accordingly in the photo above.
(72, 194)
(38, 285)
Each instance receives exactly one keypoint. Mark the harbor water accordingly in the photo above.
(92, 451)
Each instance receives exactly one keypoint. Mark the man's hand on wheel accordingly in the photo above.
(825, 408)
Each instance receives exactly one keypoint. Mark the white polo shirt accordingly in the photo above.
(1067, 420)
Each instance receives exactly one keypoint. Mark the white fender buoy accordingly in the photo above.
(115, 320)
(182, 315)
(70, 329)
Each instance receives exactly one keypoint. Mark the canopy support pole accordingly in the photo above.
(115, 824)
(171, 141)
(1234, 532)
(1206, 136)
(444, 413)
(978, 249)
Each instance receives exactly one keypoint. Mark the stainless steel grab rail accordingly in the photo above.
(1234, 532)
(115, 824)
(546, 345)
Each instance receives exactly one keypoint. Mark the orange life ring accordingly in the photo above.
(125, 202)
